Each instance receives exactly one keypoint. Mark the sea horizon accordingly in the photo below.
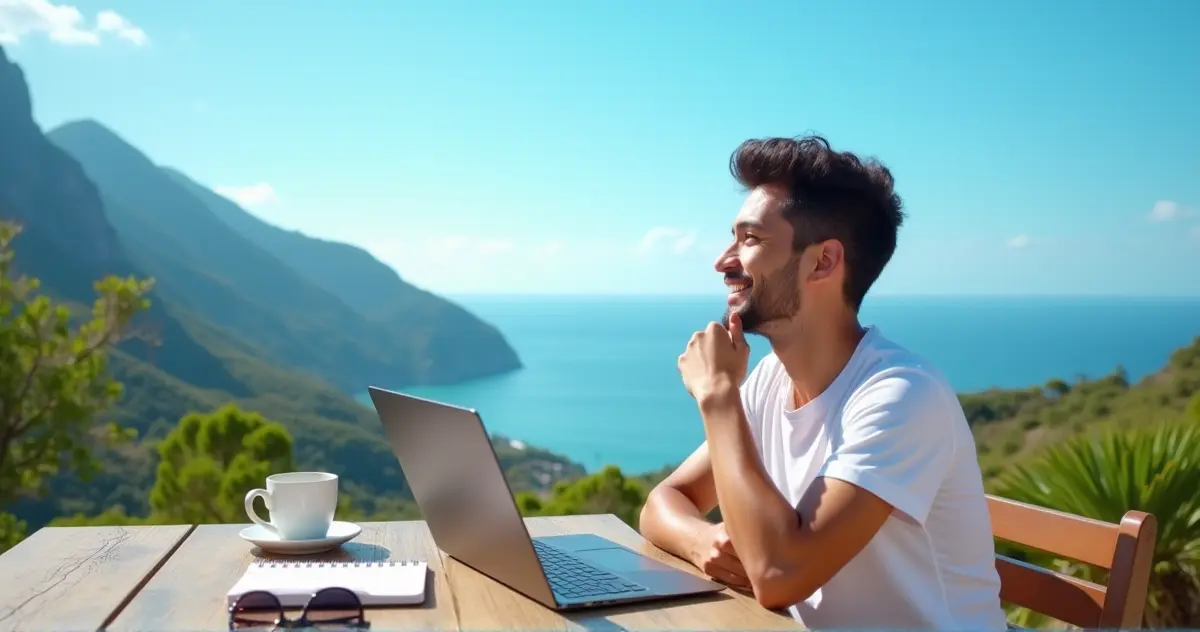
(599, 369)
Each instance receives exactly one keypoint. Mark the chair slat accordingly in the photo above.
(1075, 537)
(1063, 597)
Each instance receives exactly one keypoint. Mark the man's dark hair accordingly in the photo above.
(831, 195)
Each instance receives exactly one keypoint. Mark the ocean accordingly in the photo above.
(600, 384)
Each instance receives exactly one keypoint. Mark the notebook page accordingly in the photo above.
(396, 583)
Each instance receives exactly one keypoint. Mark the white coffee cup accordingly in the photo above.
(301, 504)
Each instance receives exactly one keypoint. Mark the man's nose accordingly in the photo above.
(726, 262)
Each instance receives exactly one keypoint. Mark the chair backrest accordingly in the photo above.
(1125, 549)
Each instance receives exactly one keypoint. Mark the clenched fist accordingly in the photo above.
(716, 558)
(714, 356)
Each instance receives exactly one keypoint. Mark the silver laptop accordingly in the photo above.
(448, 460)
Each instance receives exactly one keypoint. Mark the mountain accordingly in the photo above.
(272, 308)
(453, 337)
(67, 241)
(235, 322)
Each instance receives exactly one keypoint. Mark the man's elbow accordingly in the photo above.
(647, 512)
(645, 515)
(778, 587)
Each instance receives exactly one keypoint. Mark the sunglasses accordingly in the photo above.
(327, 609)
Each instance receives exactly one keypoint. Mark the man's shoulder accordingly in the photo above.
(891, 373)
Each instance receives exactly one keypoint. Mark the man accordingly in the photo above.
(843, 466)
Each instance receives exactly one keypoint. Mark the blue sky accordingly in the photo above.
(1041, 148)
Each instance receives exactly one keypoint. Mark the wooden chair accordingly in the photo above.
(1126, 550)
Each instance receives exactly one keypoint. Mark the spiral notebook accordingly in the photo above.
(390, 583)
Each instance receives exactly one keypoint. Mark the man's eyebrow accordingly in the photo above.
(744, 224)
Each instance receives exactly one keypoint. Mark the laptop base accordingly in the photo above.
(653, 580)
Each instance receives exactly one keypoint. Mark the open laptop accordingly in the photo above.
(455, 476)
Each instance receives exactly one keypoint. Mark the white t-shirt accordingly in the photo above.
(891, 424)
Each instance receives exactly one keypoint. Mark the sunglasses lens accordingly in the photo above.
(333, 605)
(255, 610)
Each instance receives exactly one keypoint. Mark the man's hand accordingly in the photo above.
(716, 558)
(715, 358)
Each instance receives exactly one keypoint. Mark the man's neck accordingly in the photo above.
(814, 353)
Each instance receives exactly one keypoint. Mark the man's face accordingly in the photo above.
(761, 270)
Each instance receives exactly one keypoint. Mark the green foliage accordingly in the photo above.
(1193, 409)
(608, 491)
(112, 517)
(1012, 424)
(54, 381)
(12, 531)
(209, 462)
(1156, 470)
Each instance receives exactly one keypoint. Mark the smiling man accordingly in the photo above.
(843, 465)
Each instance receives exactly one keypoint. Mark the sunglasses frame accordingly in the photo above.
(282, 621)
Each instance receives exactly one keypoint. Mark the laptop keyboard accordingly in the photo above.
(571, 577)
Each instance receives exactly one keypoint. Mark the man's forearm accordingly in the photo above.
(672, 522)
(761, 523)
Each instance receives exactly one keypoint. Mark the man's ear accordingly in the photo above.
(827, 257)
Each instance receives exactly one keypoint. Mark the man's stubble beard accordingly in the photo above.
(775, 298)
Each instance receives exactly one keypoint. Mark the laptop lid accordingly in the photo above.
(448, 460)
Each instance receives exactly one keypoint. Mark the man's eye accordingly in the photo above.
(749, 239)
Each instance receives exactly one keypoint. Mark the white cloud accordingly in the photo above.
(251, 195)
(1020, 241)
(63, 24)
(666, 238)
(109, 21)
(1166, 210)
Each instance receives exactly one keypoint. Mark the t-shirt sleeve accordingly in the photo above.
(897, 440)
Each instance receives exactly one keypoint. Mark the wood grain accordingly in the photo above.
(188, 593)
(78, 578)
(485, 604)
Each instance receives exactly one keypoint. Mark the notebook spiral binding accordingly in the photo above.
(320, 564)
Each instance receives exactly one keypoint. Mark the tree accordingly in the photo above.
(12, 531)
(209, 461)
(1155, 469)
(1058, 387)
(54, 382)
(607, 491)
(111, 517)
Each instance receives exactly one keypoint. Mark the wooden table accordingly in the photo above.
(69, 579)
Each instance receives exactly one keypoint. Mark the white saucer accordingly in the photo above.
(339, 533)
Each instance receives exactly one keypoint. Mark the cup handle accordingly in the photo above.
(266, 496)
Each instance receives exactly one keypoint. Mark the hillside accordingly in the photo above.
(67, 241)
(455, 345)
(269, 306)
(1011, 424)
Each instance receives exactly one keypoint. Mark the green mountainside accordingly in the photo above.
(284, 309)
(454, 343)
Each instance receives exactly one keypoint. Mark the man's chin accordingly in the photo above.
(749, 320)
(729, 314)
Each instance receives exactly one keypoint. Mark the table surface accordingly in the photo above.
(175, 578)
